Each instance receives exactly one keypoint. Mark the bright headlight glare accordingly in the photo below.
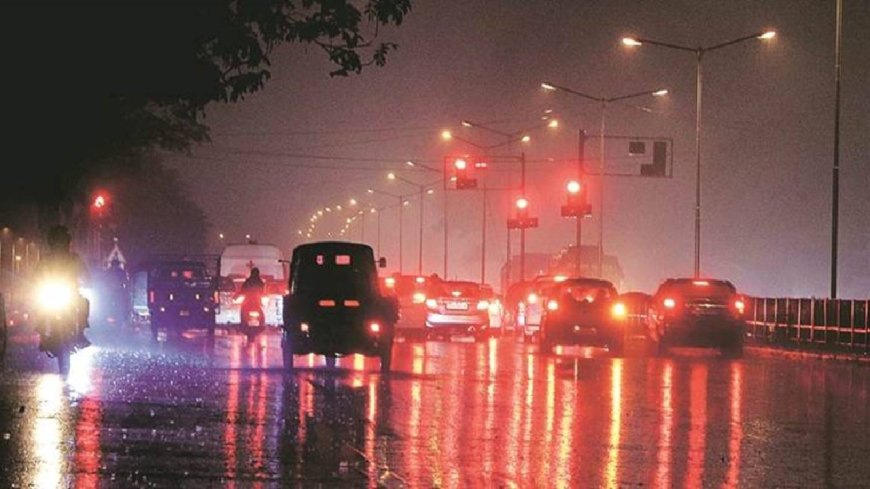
(54, 296)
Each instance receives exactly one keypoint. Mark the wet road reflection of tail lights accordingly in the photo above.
(487, 414)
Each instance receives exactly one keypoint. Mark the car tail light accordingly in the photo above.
(701, 283)
(326, 303)
(740, 306)
(254, 314)
(552, 305)
(619, 311)
(216, 298)
(264, 301)
(239, 299)
(419, 298)
(420, 280)
(303, 327)
(375, 327)
(494, 307)
(351, 303)
(483, 305)
(431, 303)
(151, 297)
(532, 299)
(669, 303)
(390, 282)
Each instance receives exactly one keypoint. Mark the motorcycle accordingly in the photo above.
(62, 316)
(252, 314)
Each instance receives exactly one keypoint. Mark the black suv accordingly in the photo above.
(580, 311)
(698, 312)
(335, 306)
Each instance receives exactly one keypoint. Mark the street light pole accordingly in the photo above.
(578, 240)
(835, 182)
(699, 56)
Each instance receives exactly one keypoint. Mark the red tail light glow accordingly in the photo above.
(669, 303)
(431, 303)
(483, 305)
(326, 303)
(533, 299)
(303, 327)
(552, 305)
(375, 327)
(740, 306)
(419, 298)
(351, 303)
(619, 311)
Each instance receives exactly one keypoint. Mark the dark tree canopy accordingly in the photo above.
(87, 82)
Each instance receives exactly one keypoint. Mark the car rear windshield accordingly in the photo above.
(333, 273)
(458, 289)
(699, 288)
(581, 292)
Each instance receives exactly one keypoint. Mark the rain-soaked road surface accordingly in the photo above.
(453, 414)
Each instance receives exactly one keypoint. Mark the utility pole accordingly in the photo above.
(483, 239)
(835, 191)
(578, 240)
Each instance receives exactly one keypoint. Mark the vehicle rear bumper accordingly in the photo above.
(704, 332)
(337, 340)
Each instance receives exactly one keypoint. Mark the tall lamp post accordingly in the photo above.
(402, 203)
(422, 191)
(604, 101)
(699, 53)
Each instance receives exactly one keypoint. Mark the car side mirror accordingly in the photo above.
(382, 262)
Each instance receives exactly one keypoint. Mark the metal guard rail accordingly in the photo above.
(831, 323)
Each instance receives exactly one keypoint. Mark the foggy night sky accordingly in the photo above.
(767, 148)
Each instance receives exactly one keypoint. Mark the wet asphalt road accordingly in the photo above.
(452, 414)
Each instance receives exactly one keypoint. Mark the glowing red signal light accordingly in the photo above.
(522, 203)
(460, 164)
(574, 187)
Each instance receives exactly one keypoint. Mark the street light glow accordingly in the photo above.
(352, 202)
(526, 138)
(368, 190)
(767, 35)
(660, 93)
(630, 41)
(410, 163)
(553, 124)
(547, 86)
(466, 123)
(391, 176)
(446, 135)
(430, 191)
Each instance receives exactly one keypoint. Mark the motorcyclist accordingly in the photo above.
(61, 263)
(254, 284)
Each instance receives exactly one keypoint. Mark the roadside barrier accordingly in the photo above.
(818, 323)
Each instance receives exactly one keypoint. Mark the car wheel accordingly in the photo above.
(734, 349)
(386, 355)
(330, 361)
(287, 352)
(662, 347)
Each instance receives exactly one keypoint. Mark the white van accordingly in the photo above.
(235, 266)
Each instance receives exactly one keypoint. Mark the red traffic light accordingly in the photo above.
(460, 164)
(99, 201)
(574, 187)
(522, 203)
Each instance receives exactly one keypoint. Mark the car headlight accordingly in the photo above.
(55, 296)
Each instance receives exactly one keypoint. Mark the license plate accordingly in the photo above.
(184, 313)
(457, 306)
(585, 330)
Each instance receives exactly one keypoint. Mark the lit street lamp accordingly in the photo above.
(604, 101)
(422, 191)
(699, 53)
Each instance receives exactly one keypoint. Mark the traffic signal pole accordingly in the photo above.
(523, 229)
(578, 241)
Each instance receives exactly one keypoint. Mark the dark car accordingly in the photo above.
(698, 312)
(335, 306)
(181, 296)
(580, 311)
(458, 308)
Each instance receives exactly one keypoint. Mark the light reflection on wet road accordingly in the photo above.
(451, 415)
